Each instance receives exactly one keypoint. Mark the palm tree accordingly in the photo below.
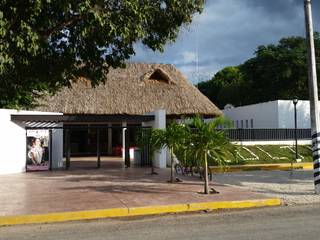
(208, 141)
(171, 137)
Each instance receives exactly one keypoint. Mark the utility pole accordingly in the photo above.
(313, 95)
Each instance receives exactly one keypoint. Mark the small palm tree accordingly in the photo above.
(172, 137)
(147, 137)
(208, 141)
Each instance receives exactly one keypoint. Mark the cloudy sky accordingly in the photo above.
(228, 32)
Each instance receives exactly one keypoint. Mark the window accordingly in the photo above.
(160, 76)
(247, 123)
(241, 123)
(251, 123)
(237, 124)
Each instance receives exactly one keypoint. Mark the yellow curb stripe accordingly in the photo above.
(275, 166)
(151, 210)
(235, 204)
(308, 166)
(63, 216)
(134, 211)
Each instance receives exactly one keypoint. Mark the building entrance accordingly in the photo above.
(73, 141)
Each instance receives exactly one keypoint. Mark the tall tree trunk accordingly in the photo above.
(172, 165)
(206, 181)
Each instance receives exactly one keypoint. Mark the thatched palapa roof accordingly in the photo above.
(134, 90)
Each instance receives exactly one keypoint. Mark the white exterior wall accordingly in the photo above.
(273, 114)
(263, 115)
(13, 143)
(286, 114)
(160, 157)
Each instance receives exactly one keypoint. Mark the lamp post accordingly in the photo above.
(295, 101)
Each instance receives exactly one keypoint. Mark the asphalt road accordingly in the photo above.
(294, 222)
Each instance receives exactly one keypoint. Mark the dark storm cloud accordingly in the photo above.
(279, 6)
(285, 9)
(228, 32)
(275, 6)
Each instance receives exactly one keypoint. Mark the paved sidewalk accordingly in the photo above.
(59, 191)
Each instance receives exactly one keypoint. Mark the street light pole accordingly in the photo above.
(295, 101)
(313, 94)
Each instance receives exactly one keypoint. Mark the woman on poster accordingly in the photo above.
(36, 152)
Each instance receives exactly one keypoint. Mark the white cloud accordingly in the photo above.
(189, 57)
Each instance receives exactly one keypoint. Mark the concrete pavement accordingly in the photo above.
(292, 187)
(86, 194)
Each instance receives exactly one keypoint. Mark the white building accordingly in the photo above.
(13, 143)
(16, 131)
(99, 121)
(273, 114)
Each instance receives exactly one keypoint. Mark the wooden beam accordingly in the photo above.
(98, 149)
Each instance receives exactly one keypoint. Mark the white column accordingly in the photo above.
(160, 157)
(57, 148)
(124, 124)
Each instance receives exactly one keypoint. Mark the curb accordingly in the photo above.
(270, 167)
(135, 211)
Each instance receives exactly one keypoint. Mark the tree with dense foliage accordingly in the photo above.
(224, 87)
(45, 44)
(277, 71)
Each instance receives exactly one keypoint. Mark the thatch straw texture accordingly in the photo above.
(134, 90)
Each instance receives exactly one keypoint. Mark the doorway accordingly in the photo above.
(101, 146)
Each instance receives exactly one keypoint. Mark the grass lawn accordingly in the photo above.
(268, 154)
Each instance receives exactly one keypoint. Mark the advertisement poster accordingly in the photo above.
(37, 150)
